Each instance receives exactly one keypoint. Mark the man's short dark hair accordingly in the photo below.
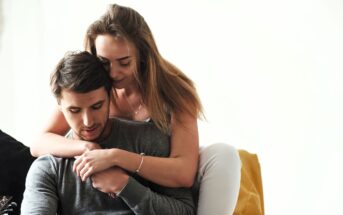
(80, 72)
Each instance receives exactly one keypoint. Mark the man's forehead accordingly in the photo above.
(72, 98)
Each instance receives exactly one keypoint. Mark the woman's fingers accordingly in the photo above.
(76, 163)
(86, 172)
(79, 165)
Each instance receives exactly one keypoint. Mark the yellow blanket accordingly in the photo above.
(250, 199)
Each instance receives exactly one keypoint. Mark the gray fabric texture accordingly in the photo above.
(52, 187)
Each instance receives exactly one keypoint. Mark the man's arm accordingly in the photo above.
(168, 201)
(141, 199)
(40, 196)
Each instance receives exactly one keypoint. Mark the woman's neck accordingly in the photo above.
(128, 103)
(129, 91)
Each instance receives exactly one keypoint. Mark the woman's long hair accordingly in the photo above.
(165, 89)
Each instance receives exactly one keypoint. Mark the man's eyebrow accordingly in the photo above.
(99, 102)
(72, 107)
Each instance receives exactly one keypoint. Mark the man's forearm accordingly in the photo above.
(170, 201)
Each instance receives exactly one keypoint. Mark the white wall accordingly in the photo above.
(269, 73)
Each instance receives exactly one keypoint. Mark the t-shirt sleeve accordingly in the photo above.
(168, 201)
(40, 196)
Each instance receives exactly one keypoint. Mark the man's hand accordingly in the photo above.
(91, 162)
(111, 180)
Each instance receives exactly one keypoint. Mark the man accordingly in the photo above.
(82, 87)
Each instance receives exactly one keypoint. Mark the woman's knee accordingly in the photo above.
(219, 159)
(220, 152)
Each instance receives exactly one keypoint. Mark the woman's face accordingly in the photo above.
(122, 57)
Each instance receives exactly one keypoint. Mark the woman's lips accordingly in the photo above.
(117, 81)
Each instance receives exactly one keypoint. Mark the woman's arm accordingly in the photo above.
(52, 140)
(178, 170)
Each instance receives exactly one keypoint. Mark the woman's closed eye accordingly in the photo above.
(124, 63)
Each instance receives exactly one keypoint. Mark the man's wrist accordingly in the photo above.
(125, 182)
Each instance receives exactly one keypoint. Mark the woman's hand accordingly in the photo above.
(91, 162)
(110, 181)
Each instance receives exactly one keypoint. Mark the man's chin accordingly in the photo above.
(91, 135)
(90, 138)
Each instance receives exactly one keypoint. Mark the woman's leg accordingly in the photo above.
(218, 179)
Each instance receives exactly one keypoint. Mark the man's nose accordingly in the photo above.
(88, 119)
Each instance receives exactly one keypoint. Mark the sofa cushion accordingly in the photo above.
(250, 199)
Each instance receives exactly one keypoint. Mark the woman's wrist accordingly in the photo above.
(126, 160)
(115, 156)
(88, 146)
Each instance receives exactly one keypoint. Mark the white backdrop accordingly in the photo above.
(269, 73)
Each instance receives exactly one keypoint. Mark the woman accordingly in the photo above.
(147, 87)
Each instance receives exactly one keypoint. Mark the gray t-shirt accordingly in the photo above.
(52, 186)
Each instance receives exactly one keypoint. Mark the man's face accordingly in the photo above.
(86, 113)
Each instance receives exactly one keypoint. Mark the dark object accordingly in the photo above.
(7, 206)
(15, 161)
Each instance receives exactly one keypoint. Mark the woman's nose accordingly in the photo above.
(113, 71)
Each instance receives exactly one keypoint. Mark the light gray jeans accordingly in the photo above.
(218, 179)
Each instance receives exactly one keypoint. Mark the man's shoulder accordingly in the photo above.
(129, 126)
(122, 121)
(46, 161)
(48, 157)
(140, 136)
